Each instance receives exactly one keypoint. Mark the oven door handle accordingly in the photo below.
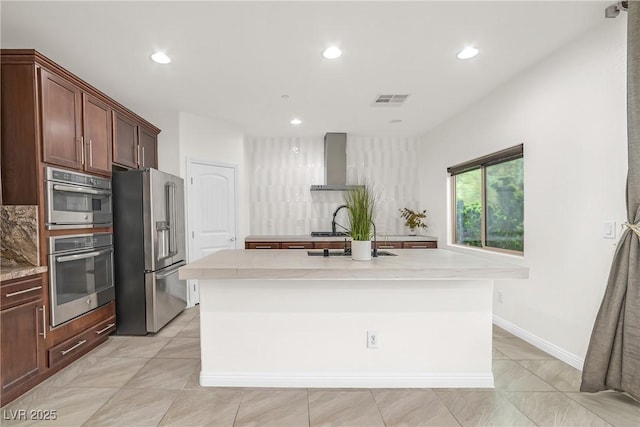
(82, 256)
(70, 189)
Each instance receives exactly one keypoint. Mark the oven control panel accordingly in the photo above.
(79, 241)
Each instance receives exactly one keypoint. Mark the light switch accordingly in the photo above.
(609, 230)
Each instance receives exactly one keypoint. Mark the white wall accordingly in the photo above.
(211, 140)
(570, 112)
(282, 170)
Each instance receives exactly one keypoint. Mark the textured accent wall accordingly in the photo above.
(283, 168)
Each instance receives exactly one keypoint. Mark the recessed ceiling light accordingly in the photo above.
(395, 121)
(161, 58)
(467, 53)
(332, 52)
(285, 96)
(295, 121)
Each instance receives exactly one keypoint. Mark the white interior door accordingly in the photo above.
(211, 198)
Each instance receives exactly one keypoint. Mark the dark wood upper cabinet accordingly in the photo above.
(125, 141)
(97, 134)
(148, 141)
(61, 121)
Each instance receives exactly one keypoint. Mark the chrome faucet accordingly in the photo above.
(375, 241)
(333, 221)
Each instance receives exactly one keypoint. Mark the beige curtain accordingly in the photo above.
(613, 357)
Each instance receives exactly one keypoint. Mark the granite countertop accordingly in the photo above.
(410, 264)
(308, 238)
(15, 272)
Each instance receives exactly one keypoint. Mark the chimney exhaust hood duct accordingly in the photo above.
(335, 164)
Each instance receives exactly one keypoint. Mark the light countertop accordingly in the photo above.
(308, 238)
(410, 264)
(8, 273)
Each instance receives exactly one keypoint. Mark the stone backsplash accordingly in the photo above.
(19, 243)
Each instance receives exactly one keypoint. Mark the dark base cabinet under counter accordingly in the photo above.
(30, 350)
(300, 242)
(22, 335)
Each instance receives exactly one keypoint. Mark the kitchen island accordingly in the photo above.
(282, 318)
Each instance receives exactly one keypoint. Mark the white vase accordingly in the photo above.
(361, 250)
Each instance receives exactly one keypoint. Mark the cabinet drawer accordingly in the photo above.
(73, 347)
(21, 290)
(330, 245)
(296, 245)
(420, 245)
(389, 245)
(263, 245)
(105, 327)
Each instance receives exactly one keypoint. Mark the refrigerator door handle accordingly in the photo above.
(171, 271)
(173, 217)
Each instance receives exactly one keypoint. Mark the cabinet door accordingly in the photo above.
(97, 134)
(61, 121)
(148, 148)
(21, 340)
(125, 141)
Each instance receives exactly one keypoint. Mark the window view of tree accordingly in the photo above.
(505, 206)
(469, 208)
(500, 207)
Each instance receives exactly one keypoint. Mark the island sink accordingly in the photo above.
(347, 253)
(329, 234)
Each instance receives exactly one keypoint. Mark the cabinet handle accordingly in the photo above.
(90, 153)
(24, 291)
(44, 323)
(74, 347)
(82, 150)
(142, 156)
(295, 247)
(263, 247)
(419, 247)
(137, 155)
(105, 328)
(386, 247)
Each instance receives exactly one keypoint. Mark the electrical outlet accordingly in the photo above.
(372, 339)
(500, 297)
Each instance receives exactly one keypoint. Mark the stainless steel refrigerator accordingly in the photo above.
(149, 248)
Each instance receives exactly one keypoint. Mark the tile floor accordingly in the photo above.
(153, 380)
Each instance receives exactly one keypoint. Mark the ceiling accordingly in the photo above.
(234, 60)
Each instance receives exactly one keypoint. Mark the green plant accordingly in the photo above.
(413, 219)
(361, 203)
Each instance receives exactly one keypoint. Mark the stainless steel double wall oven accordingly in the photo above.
(81, 275)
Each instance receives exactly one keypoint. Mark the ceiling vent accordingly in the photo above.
(390, 100)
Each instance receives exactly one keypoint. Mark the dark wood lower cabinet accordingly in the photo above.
(22, 342)
(79, 344)
(382, 244)
(22, 335)
(30, 351)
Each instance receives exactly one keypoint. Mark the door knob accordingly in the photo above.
(233, 239)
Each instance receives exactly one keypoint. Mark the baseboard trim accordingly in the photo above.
(542, 344)
(344, 380)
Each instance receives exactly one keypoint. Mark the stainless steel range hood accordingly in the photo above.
(335, 164)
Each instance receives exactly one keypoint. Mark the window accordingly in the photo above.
(488, 201)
